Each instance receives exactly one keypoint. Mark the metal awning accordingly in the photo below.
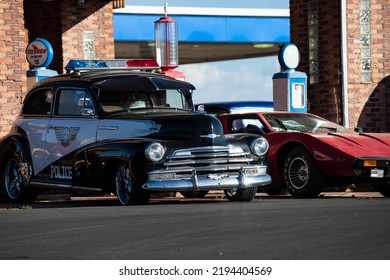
(205, 34)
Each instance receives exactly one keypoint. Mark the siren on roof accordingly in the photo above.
(134, 64)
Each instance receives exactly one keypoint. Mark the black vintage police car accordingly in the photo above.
(124, 132)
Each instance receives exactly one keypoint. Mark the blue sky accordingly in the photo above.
(243, 79)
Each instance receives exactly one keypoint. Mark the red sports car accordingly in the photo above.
(308, 153)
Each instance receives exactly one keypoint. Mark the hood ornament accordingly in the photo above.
(211, 136)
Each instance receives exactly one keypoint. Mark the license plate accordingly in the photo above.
(377, 173)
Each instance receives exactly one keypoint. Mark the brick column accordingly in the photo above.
(13, 64)
(78, 22)
(324, 96)
(368, 101)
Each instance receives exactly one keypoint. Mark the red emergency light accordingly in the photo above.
(142, 63)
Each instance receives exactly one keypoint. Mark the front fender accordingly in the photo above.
(95, 165)
(244, 141)
(14, 145)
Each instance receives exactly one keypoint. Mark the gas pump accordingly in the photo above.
(167, 50)
(39, 54)
(289, 86)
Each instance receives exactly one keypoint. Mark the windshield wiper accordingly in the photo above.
(332, 129)
(280, 123)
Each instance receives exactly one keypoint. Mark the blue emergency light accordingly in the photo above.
(134, 64)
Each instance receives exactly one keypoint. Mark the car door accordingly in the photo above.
(73, 126)
(35, 117)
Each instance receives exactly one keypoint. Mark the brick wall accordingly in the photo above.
(63, 24)
(368, 103)
(79, 20)
(13, 65)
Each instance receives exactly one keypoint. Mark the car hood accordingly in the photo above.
(197, 129)
(359, 144)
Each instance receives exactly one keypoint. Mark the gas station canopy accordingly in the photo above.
(205, 34)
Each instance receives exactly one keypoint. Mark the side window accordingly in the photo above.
(71, 102)
(38, 103)
(239, 125)
(176, 100)
(170, 98)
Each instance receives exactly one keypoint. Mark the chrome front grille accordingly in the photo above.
(204, 160)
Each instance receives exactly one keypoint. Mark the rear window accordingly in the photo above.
(38, 103)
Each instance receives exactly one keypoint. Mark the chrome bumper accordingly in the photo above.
(247, 177)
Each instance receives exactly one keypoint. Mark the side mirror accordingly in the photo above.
(358, 129)
(87, 112)
(251, 128)
(201, 108)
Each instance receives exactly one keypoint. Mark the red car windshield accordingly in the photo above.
(301, 123)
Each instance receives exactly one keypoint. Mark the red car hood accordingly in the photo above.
(359, 145)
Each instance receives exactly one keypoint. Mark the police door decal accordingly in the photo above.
(65, 135)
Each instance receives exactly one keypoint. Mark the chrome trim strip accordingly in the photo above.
(50, 185)
(87, 189)
(209, 161)
(211, 136)
(197, 183)
(63, 186)
(108, 127)
(206, 155)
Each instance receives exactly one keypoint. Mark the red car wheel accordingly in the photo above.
(302, 177)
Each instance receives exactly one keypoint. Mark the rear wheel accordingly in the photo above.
(127, 190)
(302, 177)
(247, 194)
(15, 191)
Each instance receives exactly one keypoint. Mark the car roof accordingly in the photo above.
(231, 107)
(111, 79)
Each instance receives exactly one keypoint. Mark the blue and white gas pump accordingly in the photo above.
(289, 86)
(39, 54)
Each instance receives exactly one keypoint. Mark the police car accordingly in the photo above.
(105, 127)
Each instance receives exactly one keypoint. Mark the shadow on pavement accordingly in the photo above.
(66, 201)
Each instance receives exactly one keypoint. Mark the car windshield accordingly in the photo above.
(129, 100)
(302, 123)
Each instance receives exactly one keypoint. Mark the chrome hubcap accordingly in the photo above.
(123, 184)
(13, 179)
(298, 173)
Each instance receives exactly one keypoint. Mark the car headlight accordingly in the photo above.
(154, 151)
(259, 147)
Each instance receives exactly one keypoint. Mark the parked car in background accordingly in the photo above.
(234, 107)
(126, 132)
(308, 153)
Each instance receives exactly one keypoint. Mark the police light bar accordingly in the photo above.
(135, 64)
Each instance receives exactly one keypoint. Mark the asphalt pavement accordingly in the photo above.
(269, 227)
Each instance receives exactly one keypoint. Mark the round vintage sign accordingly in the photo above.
(39, 53)
(289, 56)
